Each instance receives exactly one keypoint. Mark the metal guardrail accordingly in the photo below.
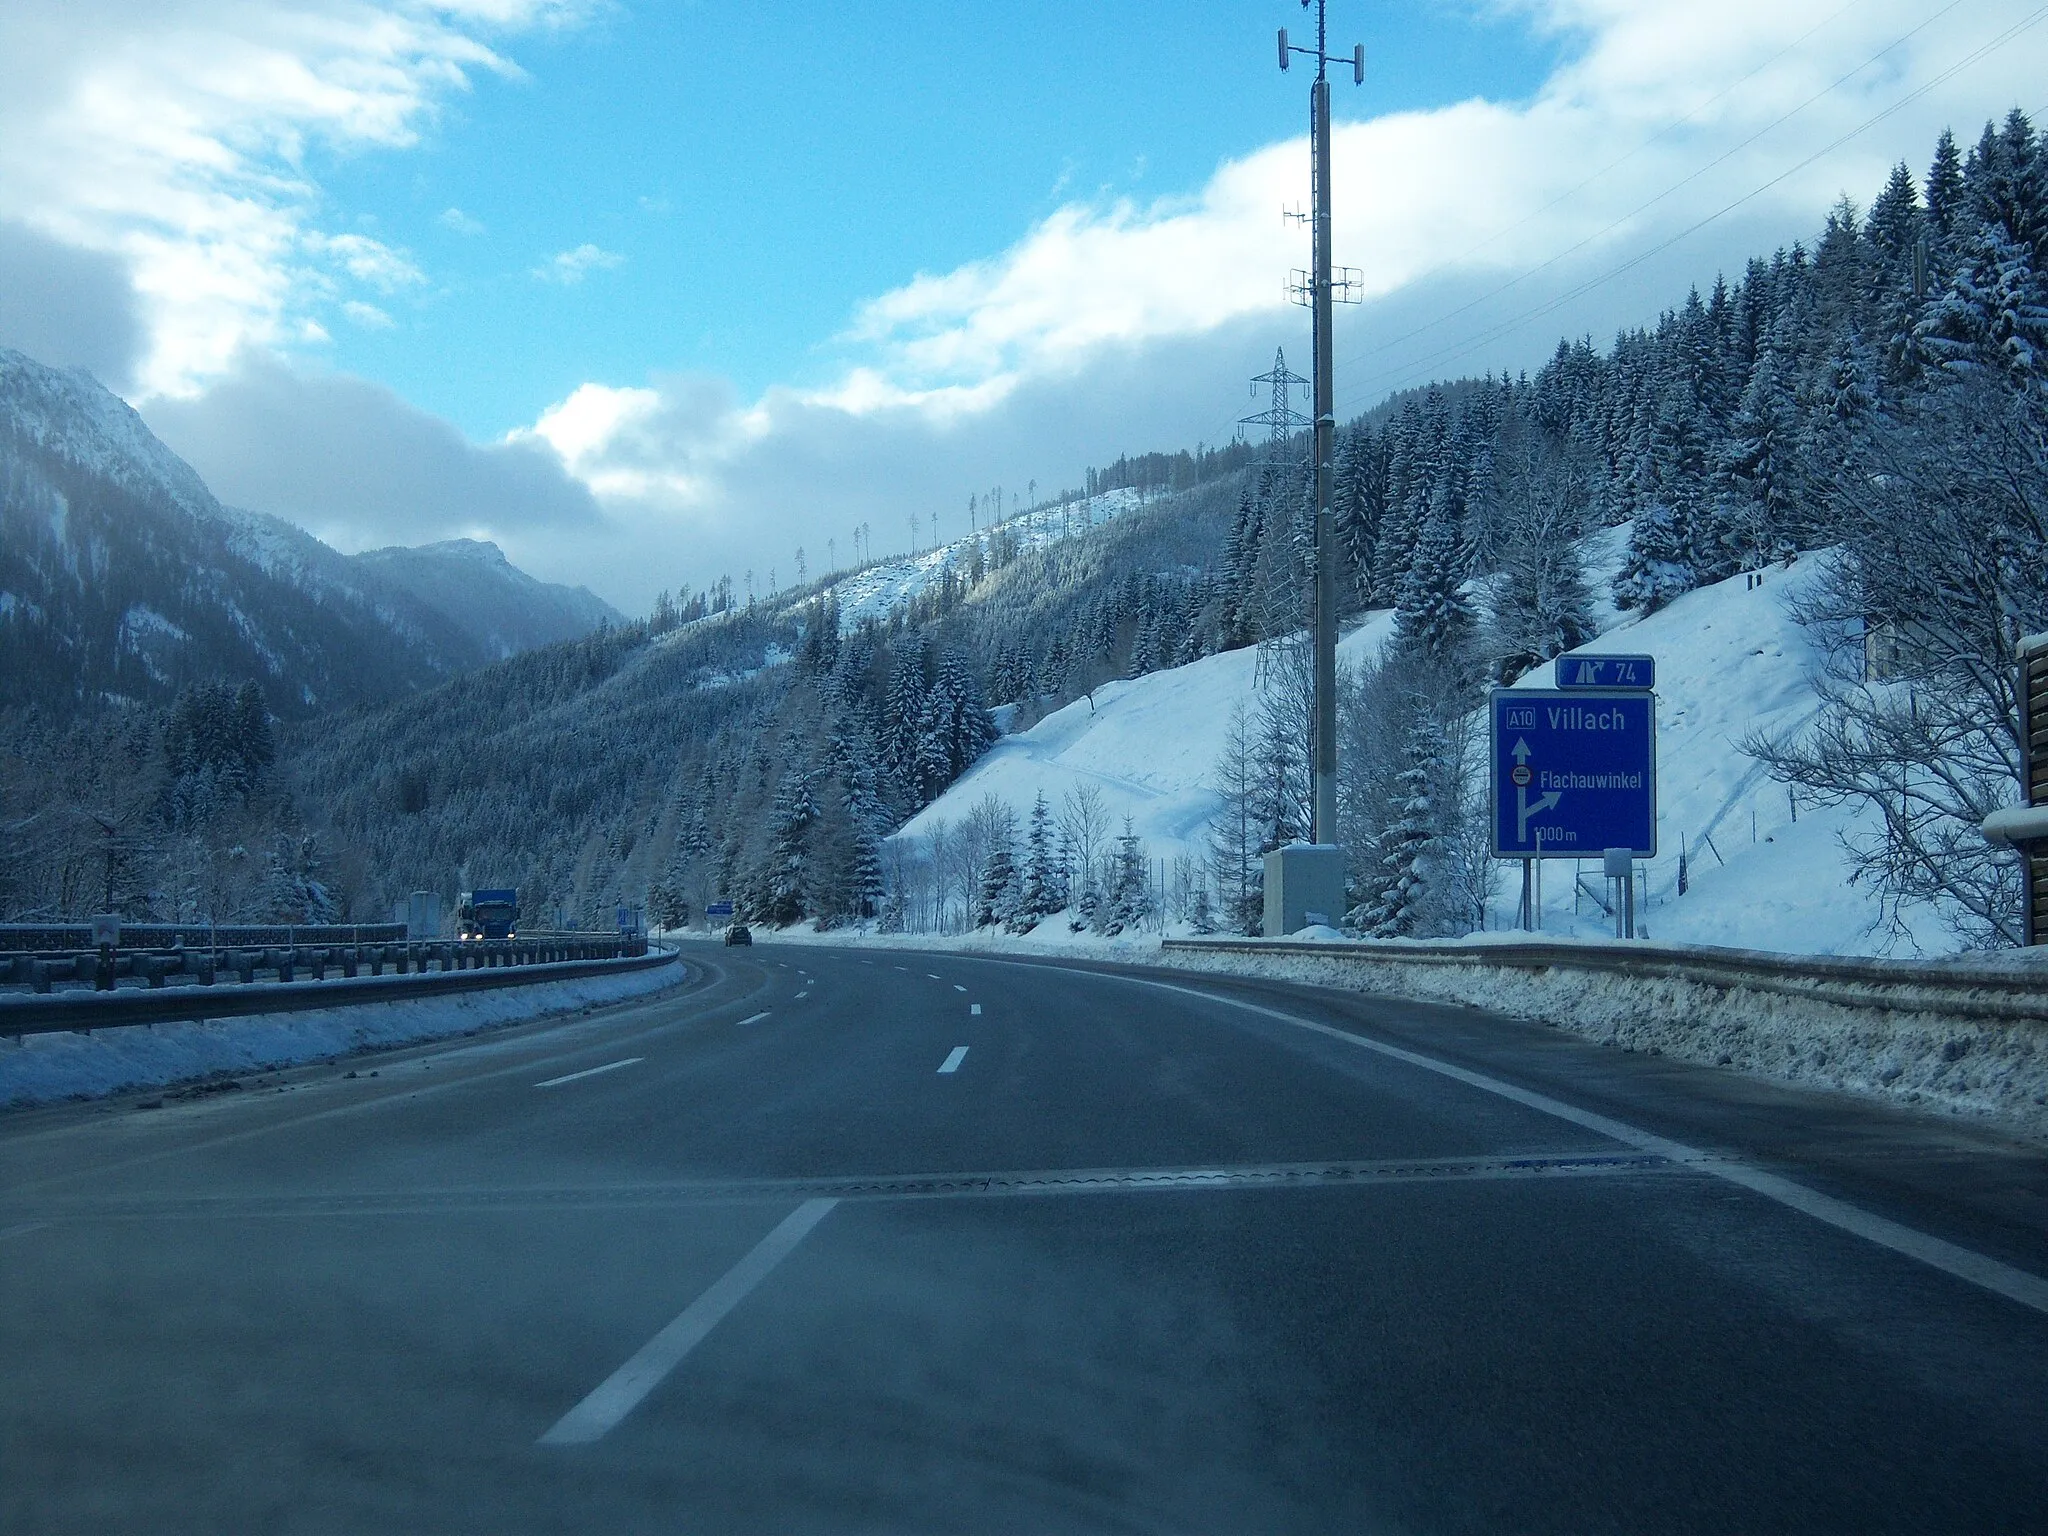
(1957, 990)
(81, 990)
(30, 938)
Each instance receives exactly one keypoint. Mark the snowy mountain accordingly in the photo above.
(122, 577)
(497, 605)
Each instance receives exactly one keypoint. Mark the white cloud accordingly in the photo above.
(570, 267)
(175, 136)
(460, 222)
(357, 465)
(369, 316)
(1480, 189)
(1481, 231)
(368, 261)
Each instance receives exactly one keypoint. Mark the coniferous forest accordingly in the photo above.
(1879, 394)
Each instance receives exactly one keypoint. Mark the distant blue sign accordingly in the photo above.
(1619, 672)
(1573, 775)
(718, 909)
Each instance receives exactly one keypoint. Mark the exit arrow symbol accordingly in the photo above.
(1524, 810)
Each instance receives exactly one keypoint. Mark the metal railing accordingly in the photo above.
(1968, 989)
(189, 980)
(32, 938)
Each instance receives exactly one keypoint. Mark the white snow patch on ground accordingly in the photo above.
(1731, 661)
(49, 1067)
(1148, 745)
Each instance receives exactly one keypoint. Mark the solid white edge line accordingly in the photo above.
(622, 1391)
(953, 1059)
(2003, 1279)
(610, 1066)
(757, 1018)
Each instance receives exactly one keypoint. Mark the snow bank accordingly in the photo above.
(47, 1067)
(1903, 1051)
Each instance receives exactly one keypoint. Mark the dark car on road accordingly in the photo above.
(738, 934)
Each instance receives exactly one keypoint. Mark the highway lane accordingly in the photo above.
(1141, 1260)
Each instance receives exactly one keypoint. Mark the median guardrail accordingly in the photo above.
(32, 938)
(83, 990)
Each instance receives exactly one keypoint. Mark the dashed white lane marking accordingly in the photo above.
(935, 976)
(801, 996)
(903, 968)
(610, 1066)
(958, 988)
(622, 1391)
(975, 1009)
(953, 1059)
(757, 1018)
(2029, 1290)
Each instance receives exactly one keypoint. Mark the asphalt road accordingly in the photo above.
(871, 1241)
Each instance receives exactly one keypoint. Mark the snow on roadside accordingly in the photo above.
(47, 1067)
(1971, 1068)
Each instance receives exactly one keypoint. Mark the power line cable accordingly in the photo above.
(1671, 127)
(1668, 128)
(1502, 328)
(1642, 208)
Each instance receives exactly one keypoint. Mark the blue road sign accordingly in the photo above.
(1574, 774)
(718, 909)
(1636, 673)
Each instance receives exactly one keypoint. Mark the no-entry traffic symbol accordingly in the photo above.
(1574, 774)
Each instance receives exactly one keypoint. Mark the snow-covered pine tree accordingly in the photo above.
(1541, 607)
(1130, 893)
(1433, 617)
(867, 881)
(1413, 840)
(1040, 878)
(1762, 486)
(966, 727)
(1414, 469)
(1234, 834)
(996, 901)
(786, 880)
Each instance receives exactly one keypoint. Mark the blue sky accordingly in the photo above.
(651, 294)
(762, 170)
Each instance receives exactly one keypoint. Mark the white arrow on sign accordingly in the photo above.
(1524, 810)
(1521, 751)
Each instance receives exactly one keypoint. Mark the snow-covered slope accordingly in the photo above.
(1731, 662)
(1147, 745)
(875, 592)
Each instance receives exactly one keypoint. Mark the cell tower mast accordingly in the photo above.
(1321, 294)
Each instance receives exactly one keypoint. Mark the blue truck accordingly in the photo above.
(488, 915)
